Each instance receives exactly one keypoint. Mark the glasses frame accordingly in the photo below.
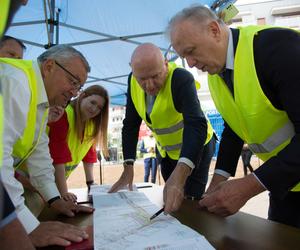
(77, 85)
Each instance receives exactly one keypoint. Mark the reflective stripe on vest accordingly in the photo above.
(275, 140)
(167, 123)
(172, 147)
(4, 10)
(250, 114)
(169, 130)
(78, 148)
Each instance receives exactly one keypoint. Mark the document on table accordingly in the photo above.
(121, 221)
(103, 189)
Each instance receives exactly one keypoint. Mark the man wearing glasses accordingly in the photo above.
(29, 88)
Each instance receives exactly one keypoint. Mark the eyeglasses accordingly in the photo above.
(76, 84)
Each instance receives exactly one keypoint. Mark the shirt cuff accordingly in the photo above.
(187, 162)
(8, 219)
(49, 191)
(222, 172)
(28, 220)
(259, 181)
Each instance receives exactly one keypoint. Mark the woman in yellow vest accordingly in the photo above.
(74, 136)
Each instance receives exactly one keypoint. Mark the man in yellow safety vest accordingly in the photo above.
(254, 81)
(165, 97)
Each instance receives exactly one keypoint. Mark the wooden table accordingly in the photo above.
(240, 231)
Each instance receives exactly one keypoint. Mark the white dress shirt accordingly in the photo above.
(16, 100)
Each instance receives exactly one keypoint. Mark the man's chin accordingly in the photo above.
(152, 93)
(213, 71)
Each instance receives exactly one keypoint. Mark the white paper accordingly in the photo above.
(103, 189)
(121, 221)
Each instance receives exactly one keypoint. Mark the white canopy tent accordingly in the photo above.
(106, 32)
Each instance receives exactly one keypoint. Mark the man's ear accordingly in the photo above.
(47, 67)
(166, 63)
(214, 29)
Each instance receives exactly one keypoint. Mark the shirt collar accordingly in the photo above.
(230, 52)
(41, 91)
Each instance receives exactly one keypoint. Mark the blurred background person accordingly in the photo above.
(246, 158)
(150, 163)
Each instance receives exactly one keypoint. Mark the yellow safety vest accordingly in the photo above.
(167, 123)
(250, 114)
(25, 145)
(77, 147)
(4, 15)
(4, 9)
(1, 127)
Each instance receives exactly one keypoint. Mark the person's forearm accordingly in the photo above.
(88, 170)
(8, 237)
(181, 173)
(60, 178)
(252, 186)
(41, 170)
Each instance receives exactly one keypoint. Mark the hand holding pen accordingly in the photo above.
(157, 213)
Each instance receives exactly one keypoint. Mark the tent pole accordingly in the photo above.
(57, 26)
(52, 11)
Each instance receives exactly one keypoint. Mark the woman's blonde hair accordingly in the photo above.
(100, 121)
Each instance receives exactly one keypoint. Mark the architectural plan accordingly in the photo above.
(121, 221)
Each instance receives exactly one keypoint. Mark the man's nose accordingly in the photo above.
(191, 62)
(150, 83)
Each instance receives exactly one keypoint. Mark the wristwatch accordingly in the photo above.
(52, 200)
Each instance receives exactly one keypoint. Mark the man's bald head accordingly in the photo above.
(146, 53)
(11, 47)
(149, 67)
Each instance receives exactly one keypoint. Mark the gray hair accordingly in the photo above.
(198, 13)
(63, 53)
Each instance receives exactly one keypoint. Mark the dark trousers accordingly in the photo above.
(246, 158)
(150, 164)
(285, 210)
(196, 182)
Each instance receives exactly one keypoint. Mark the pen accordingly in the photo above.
(157, 213)
(149, 186)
